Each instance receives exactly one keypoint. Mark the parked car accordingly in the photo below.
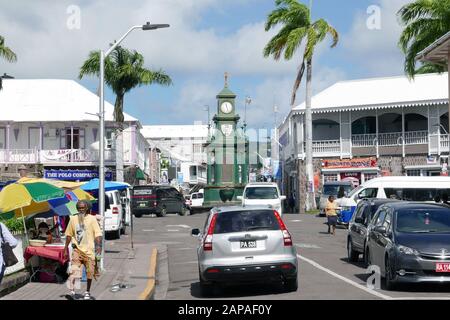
(402, 188)
(245, 244)
(332, 189)
(410, 242)
(262, 194)
(196, 202)
(357, 230)
(114, 214)
(159, 200)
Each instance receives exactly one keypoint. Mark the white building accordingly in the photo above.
(182, 145)
(52, 125)
(371, 127)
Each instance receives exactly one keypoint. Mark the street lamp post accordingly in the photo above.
(248, 100)
(101, 173)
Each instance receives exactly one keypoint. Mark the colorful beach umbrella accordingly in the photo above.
(94, 185)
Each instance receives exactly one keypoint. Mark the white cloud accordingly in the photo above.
(374, 50)
(37, 31)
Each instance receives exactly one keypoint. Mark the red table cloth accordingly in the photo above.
(53, 253)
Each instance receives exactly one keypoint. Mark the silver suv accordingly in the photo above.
(245, 244)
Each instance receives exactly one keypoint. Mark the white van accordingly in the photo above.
(114, 214)
(401, 187)
(262, 194)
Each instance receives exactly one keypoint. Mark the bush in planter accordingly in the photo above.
(15, 225)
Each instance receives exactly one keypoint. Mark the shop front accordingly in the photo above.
(357, 170)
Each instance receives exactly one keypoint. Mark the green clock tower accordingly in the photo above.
(227, 150)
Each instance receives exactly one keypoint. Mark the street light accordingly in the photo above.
(101, 191)
(206, 108)
(248, 100)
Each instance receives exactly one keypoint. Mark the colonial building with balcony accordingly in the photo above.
(366, 128)
(182, 146)
(52, 126)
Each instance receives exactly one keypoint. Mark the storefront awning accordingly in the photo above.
(374, 169)
(140, 174)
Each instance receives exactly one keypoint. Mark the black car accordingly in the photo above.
(410, 242)
(357, 229)
(157, 199)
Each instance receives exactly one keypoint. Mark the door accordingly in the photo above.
(385, 241)
(376, 244)
(356, 229)
(34, 138)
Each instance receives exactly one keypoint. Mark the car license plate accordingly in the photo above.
(248, 244)
(142, 204)
(442, 267)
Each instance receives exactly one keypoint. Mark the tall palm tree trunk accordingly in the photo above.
(310, 199)
(119, 138)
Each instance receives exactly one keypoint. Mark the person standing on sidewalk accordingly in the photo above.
(85, 236)
(7, 237)
(331, 212)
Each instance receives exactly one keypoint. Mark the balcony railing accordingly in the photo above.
(390, 139)
(327, 147)
(53, 156)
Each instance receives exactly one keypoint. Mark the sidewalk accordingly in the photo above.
(129, 275)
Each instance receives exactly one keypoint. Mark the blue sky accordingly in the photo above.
(206, 38)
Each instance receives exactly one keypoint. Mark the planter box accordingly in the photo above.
(18, 251)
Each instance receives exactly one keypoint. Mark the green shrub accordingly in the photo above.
(14, 224)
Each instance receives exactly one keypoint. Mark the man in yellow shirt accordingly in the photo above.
(330, 211)
(84, 233)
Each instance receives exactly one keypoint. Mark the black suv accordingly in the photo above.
(157, 199)
(357, 230)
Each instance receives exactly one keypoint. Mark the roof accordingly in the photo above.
(50, 100)
(226, 93)
(438, 51)
(381, 93)
(181, 131)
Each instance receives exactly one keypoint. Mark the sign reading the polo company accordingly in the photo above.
(350, 163)
(81, 175)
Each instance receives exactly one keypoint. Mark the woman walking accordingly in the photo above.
(331, 212)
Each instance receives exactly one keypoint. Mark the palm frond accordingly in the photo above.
(6, 52)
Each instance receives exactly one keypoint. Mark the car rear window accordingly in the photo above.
(261, 193)
(246, 220)
(333, 190)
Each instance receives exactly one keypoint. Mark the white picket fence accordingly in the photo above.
(18, 251)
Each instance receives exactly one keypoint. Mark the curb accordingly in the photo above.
(149, 291)
(13, 280)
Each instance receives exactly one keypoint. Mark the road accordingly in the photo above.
(324, 272)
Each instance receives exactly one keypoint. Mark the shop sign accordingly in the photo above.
(74, 175)
(350, 163)
(431, 160)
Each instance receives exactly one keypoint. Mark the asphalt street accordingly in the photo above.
(324, 272)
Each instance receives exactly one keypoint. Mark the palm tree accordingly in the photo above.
(124, 71)
(7, 54)
(297, 27)
(425, 21)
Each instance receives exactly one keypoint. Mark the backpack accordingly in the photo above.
(9, 258)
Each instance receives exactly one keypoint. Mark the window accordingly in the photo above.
(380, 218)
(423, 220)
(413, 173)
(387, 221)
(194, 196)
(200, 196)
(330, 177)
(109, 135)
(239, 221)
(261, 193)
(77, 138)
(370, 176)
(368, 193)
(359, 211)
(334, 189)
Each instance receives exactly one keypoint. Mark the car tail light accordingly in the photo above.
(155, 204)
(286, 235)
(287, 266)
(213, 271)
(207, 243)
(115, 210)
(190, 202)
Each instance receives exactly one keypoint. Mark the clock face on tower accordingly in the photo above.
(226, 107)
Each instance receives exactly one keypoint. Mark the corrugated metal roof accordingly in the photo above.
(380, 93)
(49, 100)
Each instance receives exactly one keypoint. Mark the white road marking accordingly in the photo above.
(183, 249)
(351, 282)
(179, 225)
(173, 230)
(296, 221)
(148, 230)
